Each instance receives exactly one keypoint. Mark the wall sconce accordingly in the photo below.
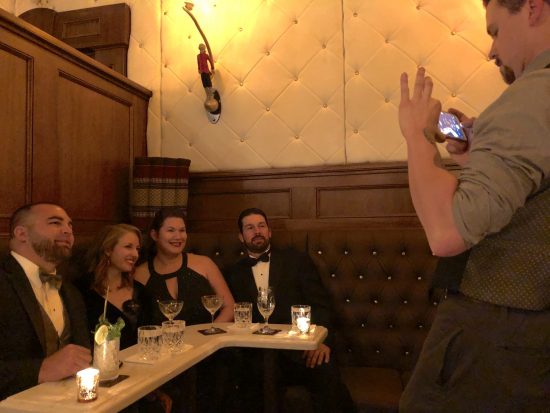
(205, 63)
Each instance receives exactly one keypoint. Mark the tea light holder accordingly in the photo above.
(86, 382)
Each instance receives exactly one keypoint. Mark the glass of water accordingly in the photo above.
(149, 342)
(172, 335)
(243, 314)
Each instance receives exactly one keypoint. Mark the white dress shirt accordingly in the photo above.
(46, 295)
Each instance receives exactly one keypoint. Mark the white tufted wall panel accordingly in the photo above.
(8, 5)
(303, 82)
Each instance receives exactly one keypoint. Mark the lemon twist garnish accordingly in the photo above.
(101, 334)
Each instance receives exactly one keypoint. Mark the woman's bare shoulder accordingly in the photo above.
(201, 264)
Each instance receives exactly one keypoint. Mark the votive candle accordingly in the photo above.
(86, 382)
(303, 324)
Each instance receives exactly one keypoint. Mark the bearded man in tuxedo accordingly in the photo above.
(294, 279)
(42, 319)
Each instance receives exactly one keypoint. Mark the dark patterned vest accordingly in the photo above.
(512, 268)
(52, 340)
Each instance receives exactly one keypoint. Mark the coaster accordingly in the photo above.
(272, 332)
(209, 332)
(111, 383)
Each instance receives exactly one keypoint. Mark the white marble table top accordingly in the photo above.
(60, 396)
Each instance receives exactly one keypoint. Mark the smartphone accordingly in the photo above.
(450, 126)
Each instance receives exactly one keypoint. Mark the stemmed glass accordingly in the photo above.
(212, 303)
(266, 305)
(170, 308)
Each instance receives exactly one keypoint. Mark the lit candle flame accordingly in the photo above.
(303, 324)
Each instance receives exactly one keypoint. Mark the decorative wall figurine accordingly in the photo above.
(205, 65)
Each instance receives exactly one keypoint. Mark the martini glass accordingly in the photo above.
(212, 303)
(170, 308)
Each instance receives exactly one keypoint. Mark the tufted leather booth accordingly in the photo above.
(378, 282)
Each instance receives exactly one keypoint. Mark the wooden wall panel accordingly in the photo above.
(104, 158)
(332, 198)
(329, 198)
(227, 206)
(72, 128)
(362, 202)
(15, 130)
(102, 33)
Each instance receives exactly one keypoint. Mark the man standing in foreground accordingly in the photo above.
(42, 320)
(295, 280)
(489, 347)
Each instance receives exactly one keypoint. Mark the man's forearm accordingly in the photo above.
(432, 189)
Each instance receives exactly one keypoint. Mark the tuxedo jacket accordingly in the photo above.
(294, 279)
(22, 337)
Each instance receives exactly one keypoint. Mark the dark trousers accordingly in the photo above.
(286, 368)
(206, 80)
(483, 358)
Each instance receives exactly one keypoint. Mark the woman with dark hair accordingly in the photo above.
(170, 273)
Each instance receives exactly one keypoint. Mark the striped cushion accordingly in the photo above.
(158, 182)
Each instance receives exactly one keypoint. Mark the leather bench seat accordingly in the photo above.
(374, 389)
(378, 282)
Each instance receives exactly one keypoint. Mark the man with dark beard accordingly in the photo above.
(42, 320)
(294, 280)
(488, 349)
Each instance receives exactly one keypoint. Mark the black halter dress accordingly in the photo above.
(191, 287)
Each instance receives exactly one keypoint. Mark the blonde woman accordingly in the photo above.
(111, 263)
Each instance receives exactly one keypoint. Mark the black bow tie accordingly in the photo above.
(53, 279)
(251, 261)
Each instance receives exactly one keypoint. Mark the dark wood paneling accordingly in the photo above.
(227, 206)
(364, 202)
(71, 129)
(15, 127)
(103, 159)
(374, 195)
